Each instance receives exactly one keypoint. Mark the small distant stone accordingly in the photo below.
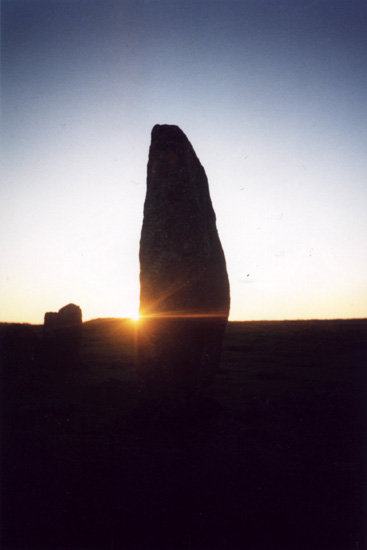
(62, 335)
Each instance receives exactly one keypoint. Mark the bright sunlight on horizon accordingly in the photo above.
(272, 96)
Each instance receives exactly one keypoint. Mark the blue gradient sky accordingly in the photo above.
(272, 95)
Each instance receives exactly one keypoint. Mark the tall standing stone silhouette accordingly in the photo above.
(184, 288)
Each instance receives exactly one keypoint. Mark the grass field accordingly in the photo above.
(274, 457)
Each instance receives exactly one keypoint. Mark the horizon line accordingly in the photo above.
(314, 319)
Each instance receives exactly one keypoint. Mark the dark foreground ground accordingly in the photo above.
(273, 458)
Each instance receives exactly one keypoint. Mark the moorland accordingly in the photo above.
(273, 458)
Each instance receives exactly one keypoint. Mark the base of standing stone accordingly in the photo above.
(178, 357)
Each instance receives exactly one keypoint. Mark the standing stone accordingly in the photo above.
(184, 288)
(62, 335)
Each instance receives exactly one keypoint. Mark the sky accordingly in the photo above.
(272, 96)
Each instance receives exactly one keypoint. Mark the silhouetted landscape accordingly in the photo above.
(272, 458)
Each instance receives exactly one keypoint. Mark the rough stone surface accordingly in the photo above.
(184, 288)
(62, 334)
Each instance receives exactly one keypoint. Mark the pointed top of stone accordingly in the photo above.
(166, 129)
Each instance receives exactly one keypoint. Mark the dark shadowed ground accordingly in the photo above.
(273, 458)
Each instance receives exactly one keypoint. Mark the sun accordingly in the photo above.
(135, 317)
